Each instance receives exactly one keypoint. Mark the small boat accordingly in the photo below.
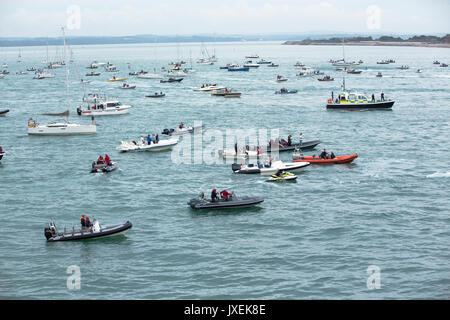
(156, 95)
(357, 101)
(231, 203)
(383, 62)
(104, 108)
(326, 78)
(251, 64)
(443, 65)
(21, 72)
(170, 80)
(272, 65)
(353, 71)
(183, 130)
(418, 71)
(32, 69)
(92, 74)
(299, 64)
(2, 76)
(111, 68)
(2, 153)
(263, 61)
(43, 75)
(96, 231)
(209, 87)
(281, 79)
(436, 62)
(133, 146)
(282, 176)
(227, 93)
(267, 168)
(252, 56)
(337, 160)
(113, 79)
(238, 68)
(403, 67)
(127, 86)
(60, 128)
(306, 145)
(3, 112)
(379, 75)
(5, 65)
(103, 167)
(285, 91)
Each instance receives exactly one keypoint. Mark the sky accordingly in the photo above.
(43, 18)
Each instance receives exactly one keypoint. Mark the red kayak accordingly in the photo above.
(337, 160)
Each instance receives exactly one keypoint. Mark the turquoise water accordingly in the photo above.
(312, 239)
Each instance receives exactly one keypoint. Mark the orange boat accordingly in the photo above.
(337, 160)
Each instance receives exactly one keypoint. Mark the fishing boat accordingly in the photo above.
(336, 160)
(282, 176)
(3, 112)
(182, 130)
(95, 231)
(142, 145)
(114, 79)
(267, 168)
(156, 95)
(231, 202)
(281, 79)
(326, 78)
(286, 91)
(348, 100)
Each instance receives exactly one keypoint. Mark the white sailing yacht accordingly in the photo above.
(342, 62)
(61, 128)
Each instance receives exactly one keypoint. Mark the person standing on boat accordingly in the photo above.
(83, 221)
(149, 140)
(373, 97)
(289, 140)
(382, 96)
(236, 147)
(225, 194)
(88, 222)
(300, 139)
(107, 160)
(156, 138)
(214, 196)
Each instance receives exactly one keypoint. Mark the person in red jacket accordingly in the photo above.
(225, 194)
(100, 160)
(107, 160)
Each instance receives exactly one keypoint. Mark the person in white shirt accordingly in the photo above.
(301, 139)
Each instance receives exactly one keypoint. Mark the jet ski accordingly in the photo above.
(103, 167)
(96, 231)
(281, 176)
(232, 202)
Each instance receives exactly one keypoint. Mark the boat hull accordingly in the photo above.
(367, 105)
(107, 231)
(337, 160)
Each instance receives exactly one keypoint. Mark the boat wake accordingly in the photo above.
(439, 175)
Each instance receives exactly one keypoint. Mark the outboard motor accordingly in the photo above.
(165, 131)
(235, 166)
(50, 231)
(79, 111)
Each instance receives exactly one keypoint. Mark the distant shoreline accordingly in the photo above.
(369, 43)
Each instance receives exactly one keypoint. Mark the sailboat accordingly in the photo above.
(342, 62)
(61, 128)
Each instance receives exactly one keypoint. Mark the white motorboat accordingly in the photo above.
(149, 76)
(267, 168)
(5, 65)
(241, 154)
(142, 145)
(176, 74)
(111, 68)
(251, 64)
(60, 128)
(205, 61)
(252, 56)
(104, 108)
(43, 75)
(209, 88)
(181, 131)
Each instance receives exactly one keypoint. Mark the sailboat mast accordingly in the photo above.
(343, 49)
(67, 71)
